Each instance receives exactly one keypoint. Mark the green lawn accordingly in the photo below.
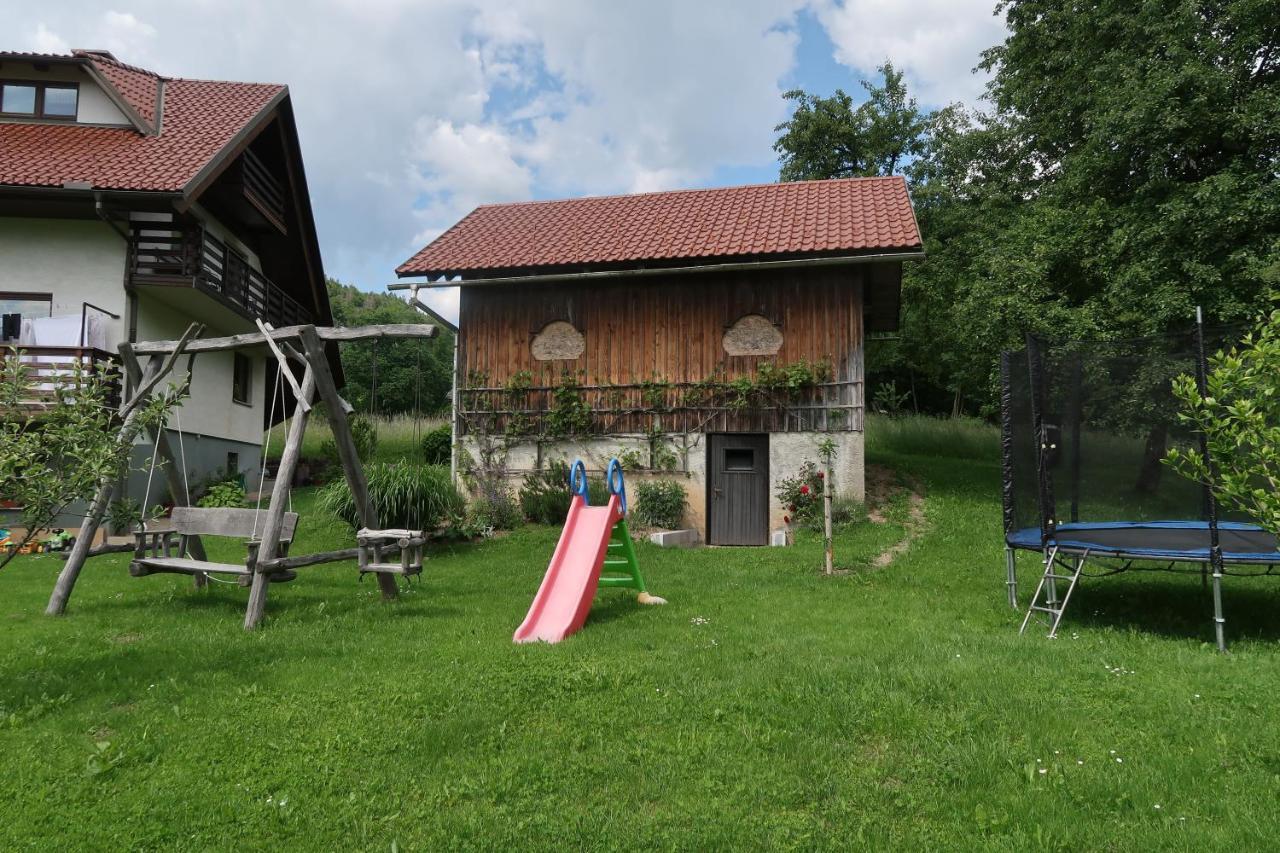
(765, 706)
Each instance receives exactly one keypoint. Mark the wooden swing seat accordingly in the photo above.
(371, 544)
(156, 552)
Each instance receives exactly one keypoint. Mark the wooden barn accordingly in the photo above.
(713, 336)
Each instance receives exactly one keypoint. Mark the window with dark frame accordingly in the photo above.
(15, 306)
(242, 379)
(34, 99)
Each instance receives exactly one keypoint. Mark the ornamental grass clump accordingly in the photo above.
(417, 497)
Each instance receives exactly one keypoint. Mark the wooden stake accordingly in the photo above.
(829, 562)
(341, 426)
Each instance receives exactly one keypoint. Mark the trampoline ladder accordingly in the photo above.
(1045, 600)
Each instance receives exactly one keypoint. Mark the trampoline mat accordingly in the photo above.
(1168, 540)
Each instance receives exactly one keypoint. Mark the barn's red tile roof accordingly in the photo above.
(848, 215)
(197, 120)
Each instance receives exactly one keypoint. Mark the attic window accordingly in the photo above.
(39, 100)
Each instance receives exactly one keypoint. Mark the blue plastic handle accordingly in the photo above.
(578, 480)
(617, 486)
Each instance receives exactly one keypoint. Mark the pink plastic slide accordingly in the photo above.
(560, 608)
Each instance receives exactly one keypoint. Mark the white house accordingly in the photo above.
(132, 204)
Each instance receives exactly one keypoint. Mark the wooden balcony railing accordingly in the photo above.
(168, 254)
(51, 370)
(262, 189)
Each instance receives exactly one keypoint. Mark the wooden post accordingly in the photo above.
(156, 370)
(270, 537)
(160, 445)
(829, 562)
(339, 411)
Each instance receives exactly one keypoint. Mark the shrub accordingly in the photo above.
(494, 509)
(437, 445)
(801, 495)
(363, 434)
(411, 496)
(225, 493)
(661, 503)
(544, 495)
(124, 515)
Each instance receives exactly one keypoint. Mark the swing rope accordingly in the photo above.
(266, 448)
(182, 452)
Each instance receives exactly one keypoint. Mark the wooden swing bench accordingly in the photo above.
(156, 552)
(372, 545)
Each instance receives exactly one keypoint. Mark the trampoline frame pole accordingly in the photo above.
(1011, 567)
(1211, 502)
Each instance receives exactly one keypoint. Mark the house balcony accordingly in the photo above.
(52, 371)
(173, 255)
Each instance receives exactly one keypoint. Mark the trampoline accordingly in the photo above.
(1085, 427)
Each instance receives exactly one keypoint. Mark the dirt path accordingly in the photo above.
(883, 485)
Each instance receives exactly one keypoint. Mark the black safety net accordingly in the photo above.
(1087, 427)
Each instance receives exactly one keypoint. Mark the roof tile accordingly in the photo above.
(842, 215)
(198, 119)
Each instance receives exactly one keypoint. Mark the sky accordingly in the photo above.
(411, 113)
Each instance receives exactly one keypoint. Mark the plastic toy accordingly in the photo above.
(595, 538)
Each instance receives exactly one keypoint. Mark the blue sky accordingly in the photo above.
(411, 113)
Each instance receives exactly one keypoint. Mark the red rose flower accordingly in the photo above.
(804, 490)
(820, 475)
(792, 507)
(786, 519)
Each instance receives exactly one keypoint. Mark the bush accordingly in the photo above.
(544, 495)
(661, 503)
(437, 445)
(494, 509)
(802, 496)
(228, 492)
(363, 434)
(417, 497)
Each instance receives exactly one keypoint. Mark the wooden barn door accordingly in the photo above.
(738, 490)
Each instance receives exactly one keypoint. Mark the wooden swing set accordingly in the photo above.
(268, 538)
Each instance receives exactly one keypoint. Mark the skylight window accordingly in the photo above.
(39, 100)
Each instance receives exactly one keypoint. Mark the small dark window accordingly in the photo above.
(739, 459)
(242, 379)
(233, 463)
(39, 100)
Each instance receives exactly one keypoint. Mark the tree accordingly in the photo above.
(391, 377)
(57, 444)
(1123, 173)
(1240, 420)
(830, 138)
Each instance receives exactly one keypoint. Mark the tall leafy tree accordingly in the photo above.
(391, 377)
(1128, 169)
(831, 138)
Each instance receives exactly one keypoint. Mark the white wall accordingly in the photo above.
(77, 261)
(94, 106)
(210, 409)
(787, 452)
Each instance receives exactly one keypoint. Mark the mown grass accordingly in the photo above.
(765, 706)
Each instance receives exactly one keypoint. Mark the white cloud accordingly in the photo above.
(936, 42)
(125, 36)
(43, 40)
(411, 113)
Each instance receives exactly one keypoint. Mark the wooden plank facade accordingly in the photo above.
(654, 358)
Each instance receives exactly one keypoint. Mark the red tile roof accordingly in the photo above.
(848, 215)
(138, 87)
(198, 118)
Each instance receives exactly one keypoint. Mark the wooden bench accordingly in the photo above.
(156, 551)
